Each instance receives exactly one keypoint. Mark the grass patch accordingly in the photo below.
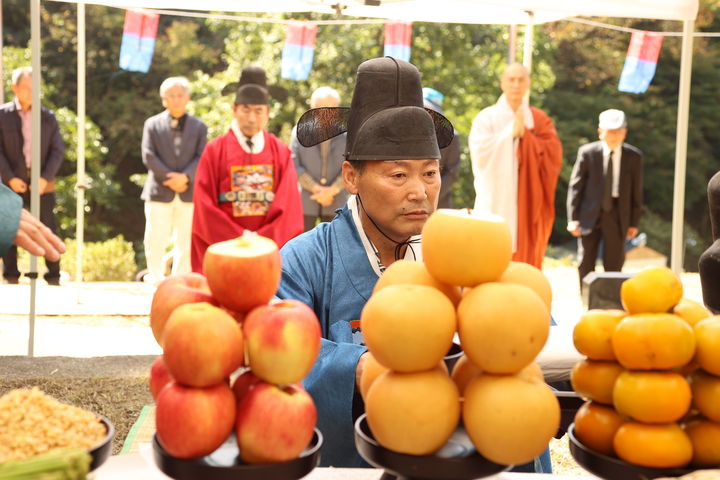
(120, 399)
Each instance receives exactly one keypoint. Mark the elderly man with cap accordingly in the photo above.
(604, 199)
(449, 156)
(246, 179)
(392, 172)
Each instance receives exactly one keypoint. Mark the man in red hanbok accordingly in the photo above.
(246, 179)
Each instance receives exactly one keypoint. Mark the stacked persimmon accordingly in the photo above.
(210, 326)
(642, 379)
(502, 318)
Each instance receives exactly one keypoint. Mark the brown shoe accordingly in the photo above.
(12, 280)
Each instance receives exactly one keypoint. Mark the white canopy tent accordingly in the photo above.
(527, 12)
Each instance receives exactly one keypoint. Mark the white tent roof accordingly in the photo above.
(450, 11)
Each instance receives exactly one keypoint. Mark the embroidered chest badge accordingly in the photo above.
(252, 186)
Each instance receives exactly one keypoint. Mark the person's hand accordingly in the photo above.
(177, 182)
(574, 228)
(37, 239)
(359, 369)
(632, 232)
(519, 125)
(326, 196)
(17, 185)
(42, 185)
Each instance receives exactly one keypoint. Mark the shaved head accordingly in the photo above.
(514, 69)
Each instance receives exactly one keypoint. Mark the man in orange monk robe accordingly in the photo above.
(516, 159)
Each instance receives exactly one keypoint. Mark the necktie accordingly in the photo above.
(607, 192)
(249, 144)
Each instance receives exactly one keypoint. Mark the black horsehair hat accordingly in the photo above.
(386, 119)
(252, 88)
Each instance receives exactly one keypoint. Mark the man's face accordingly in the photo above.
(23, 91)
(399, 195)
(251, 119)
(175, 101)
(613, 138)
(515, 82)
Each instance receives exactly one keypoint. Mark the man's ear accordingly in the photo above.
(350, 177)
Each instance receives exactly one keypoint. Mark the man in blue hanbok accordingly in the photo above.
(392, 172)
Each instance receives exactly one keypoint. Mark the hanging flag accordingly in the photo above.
(299, 49)
(641, 61)
(138, 41)
(398, 36)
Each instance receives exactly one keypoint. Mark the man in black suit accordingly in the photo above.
(15, 132)
(172, 143)
(605, 195)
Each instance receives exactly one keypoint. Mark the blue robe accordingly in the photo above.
(10, 209)
(327, 268)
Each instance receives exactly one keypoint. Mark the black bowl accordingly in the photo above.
(452, 356)
(225, 463)
(613, 468)
(102, 451)
(457, 460)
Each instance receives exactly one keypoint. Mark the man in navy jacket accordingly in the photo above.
(15, 131)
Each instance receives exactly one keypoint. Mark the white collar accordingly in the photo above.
(258, 139)
(352, 205)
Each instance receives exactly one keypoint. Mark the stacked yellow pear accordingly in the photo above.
(638, 373)
(502, 319)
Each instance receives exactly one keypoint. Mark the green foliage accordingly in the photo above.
(109, 261)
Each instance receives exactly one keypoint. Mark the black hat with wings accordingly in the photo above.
(252, 88)
(386, 119)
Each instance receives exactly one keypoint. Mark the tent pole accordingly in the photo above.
(677, 245)
(35, 155)
(528, 41)
(80, 183)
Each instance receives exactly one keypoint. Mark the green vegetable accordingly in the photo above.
(63, 464)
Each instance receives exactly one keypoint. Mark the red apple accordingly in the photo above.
(244, 383)
(174, 291)
(274, 424)
(244, 272)
(283, 341)
(194, 422)
(159, 376)
(202, 345)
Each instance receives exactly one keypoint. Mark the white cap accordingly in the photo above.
(612, 119)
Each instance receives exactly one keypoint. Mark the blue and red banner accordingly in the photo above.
(398, 37)
(299, 50)
(641, 62)
(138, 40)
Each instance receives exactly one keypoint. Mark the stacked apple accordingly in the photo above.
(210, 327)
(502, 319)
(641, 376)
